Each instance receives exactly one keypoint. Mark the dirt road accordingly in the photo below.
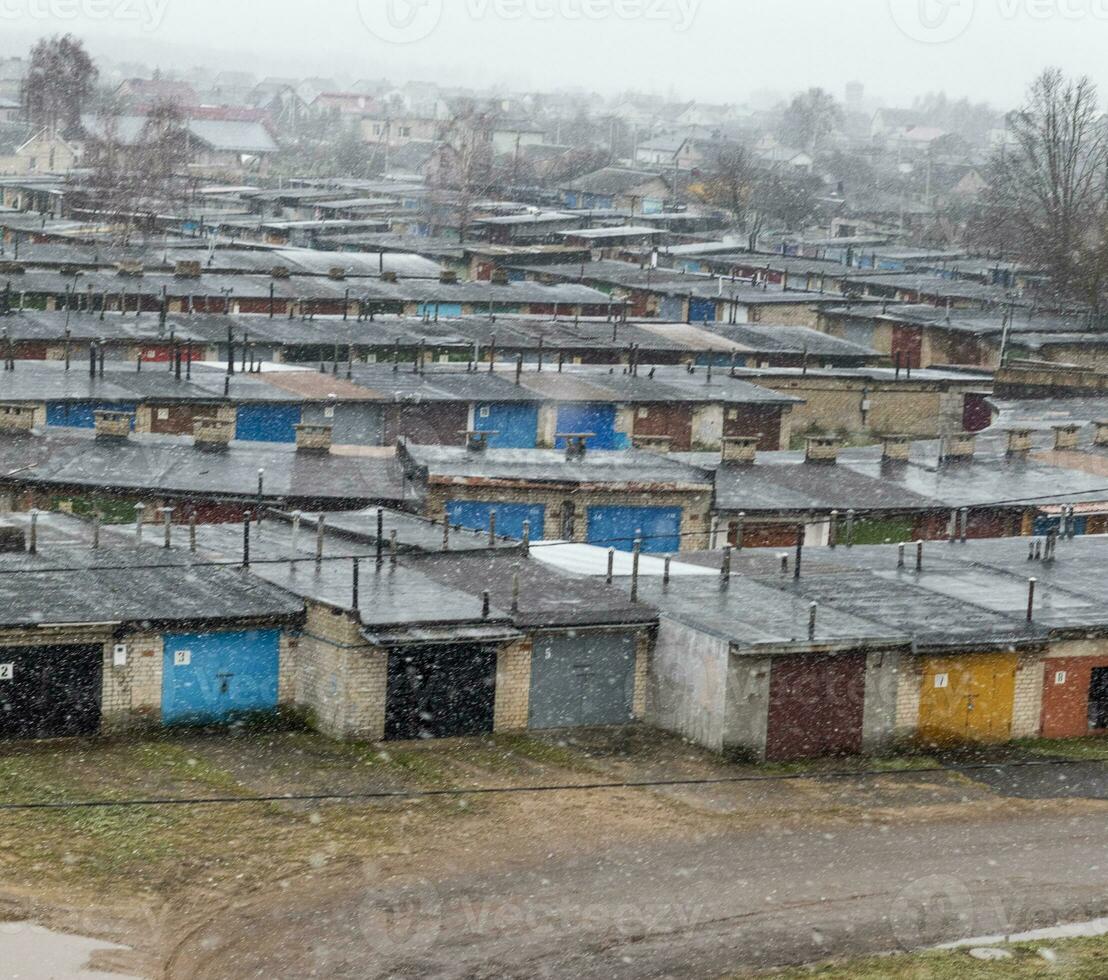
(673, 905)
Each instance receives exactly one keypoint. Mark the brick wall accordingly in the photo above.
(340, 679)
(643, 648)
(513, 686)
(132, 695)
(908, 696)
(1027, 707)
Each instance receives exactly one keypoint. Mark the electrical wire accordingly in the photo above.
(339, 797)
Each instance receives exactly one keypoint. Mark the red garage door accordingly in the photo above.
(815, 706)
(1075, 696)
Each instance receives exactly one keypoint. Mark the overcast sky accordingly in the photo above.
(719, 50)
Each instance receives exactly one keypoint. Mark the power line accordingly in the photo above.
(339, 797)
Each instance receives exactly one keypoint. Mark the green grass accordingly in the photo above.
(1077, 749)
(906, 762)
(1074, 959)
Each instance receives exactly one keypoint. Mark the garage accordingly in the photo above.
(967, 699)
(582, 679)
(82, 415)
(352, 423)
(816, 706)
(217, 677)
(474, 515)
(267, 423)
(441, 691)
(702, 310)
(598, 418)
(50, 692)
(659, 528)
(1075, 697)
(515, 425)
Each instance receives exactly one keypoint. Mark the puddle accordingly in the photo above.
(32, 952)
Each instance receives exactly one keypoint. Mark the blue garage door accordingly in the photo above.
(598, 418)
(474, 514)
(82, 415)
(213, 677)
(444, 309)
(1044, 525)
(702, 310)
(515, 425)
(617, 527)
(267, 423)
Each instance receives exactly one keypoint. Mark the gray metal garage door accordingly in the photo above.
(587, 679)
(355, 424)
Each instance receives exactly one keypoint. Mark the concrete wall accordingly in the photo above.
(747, 706)
(880, 712)
(688, 684)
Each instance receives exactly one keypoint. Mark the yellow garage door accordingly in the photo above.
(967, 698)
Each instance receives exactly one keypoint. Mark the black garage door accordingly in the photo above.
(50, 692)
(440, 692)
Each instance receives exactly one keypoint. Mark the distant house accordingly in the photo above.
(232, 87)
(642, 191)
(10, 110)
(381, 128)
(218, 145)
(281, 103)
(774, 154)
(39, 152)
(414, 159)
(345, 104)
(146, 92)
(12, 73)
(887, 121)
(507, 137)
(668, 150)
(310, 88)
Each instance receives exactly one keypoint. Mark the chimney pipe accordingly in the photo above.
(635, 567)
(1065, 437)
(821, 449)
(1019, 442)
(739, 449)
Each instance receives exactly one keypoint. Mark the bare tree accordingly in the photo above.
(462, 170)
(59, 82)
(134, 178)
(755, 195)
(810, 118)
(1046, 199)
